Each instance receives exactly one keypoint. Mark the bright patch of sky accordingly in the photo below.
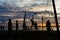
(58, 6)
(22, 3)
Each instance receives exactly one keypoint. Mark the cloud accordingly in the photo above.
(29, 2)
(22, 3)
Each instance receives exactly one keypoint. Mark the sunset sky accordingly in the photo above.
(29, 5)
(22, 3)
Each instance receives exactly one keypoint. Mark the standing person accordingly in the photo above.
(35, 25)
(32, 22)
(3, 28)
(9, 25)
(9, 28)
(48, 25)
(16, 25)
(0, 27)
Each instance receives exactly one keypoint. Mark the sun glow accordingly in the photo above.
(44, 25)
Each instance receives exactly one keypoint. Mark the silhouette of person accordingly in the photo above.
(0, 27)
(32, 22)
(48, 25)
(16, 25)
(3, 28)
(9, 25)
(35, 25)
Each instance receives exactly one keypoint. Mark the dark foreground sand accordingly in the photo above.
(28, 35)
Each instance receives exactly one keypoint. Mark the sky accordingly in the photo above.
(22, 3)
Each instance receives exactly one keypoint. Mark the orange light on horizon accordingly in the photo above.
(52, 25)
(41, 25)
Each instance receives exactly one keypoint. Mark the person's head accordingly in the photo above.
(30, 19)
(16, 20)
(48, 21)
(9, 19)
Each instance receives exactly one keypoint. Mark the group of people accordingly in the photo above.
(10, 25)
(34, 24)
(1, 27)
